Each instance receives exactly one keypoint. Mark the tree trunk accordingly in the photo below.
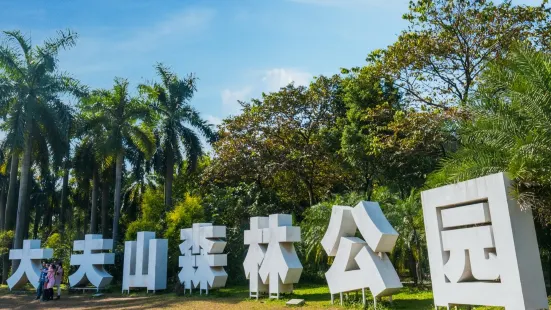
(94, 213)
(169, 177)
(419, 261)
(413, 267)
(27, 209)
(104, 207)
(22, 213)
(2, 207)
(87, 209)
(37, 218)
(64, 196)
(310, 193)
(10, 214)
(23, 191)
(117, 205)
(80, 230)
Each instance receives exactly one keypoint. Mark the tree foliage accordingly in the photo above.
(449, 43)
(511, 129)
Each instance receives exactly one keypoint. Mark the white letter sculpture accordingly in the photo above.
(360, 264)
(145, 262)
(29, 267)
(202, 261)
(482, 247)
(91, 261)
(272, 255)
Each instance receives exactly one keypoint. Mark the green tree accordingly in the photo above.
(371, 103)
(406, 216)
(178, 119)
(510, 130)
(123, 119)
(35, 108)
(287, 141)
(385, 143)
(448, 43)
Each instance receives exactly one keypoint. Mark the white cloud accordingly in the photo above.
(181, 23)
(230, 98)
(265, 81)
(109, 50)
(213, 120)
(276, 78)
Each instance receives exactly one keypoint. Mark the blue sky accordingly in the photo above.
(237, 48)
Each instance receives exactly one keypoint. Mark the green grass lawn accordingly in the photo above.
(233, 297)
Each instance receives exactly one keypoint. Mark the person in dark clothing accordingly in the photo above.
(42, 280)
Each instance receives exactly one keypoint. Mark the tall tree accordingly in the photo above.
(511, 130)
(37, 82)
(287, 141)
(3, 187)
(448, 43)
(124, 121)
(178, 119)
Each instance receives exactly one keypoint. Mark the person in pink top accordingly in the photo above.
(58, 278)
(50, 282)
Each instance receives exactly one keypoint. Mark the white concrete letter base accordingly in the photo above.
(29, 267)
(482, 246)
(202, 259)
(272, 264)
(145, 263)
(360, 264)
(91, 261)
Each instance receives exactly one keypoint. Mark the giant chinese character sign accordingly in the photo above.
(482, 246)
(91, 261)
(145, 262)
(202, 259)
(271, 263)
(360, 264)
(29, 268)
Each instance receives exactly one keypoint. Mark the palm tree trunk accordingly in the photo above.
(64, 195)
(94, 212)
(37, 218)
(104, 207)
(27, 210)
(9, 218)
(23, 191)
(22, 215)
(118, 185)
(2, 207)
(169, 177)
(79, 228)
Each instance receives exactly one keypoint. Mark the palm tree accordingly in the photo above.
(37, 83)
(510, 129)
(86, 168)
(178, 119)
(124, 121)
(3, 188)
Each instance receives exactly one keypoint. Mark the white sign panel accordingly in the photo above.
(202, 259)
(360, 264)
(145, 262)
(91, 261)
(272, 255)
(29, 268)
(482, 246)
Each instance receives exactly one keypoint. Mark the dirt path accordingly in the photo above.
(154, 302)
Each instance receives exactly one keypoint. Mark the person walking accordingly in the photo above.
(42, 280)
(59, 278)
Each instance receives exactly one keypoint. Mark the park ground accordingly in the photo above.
(316, 297)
